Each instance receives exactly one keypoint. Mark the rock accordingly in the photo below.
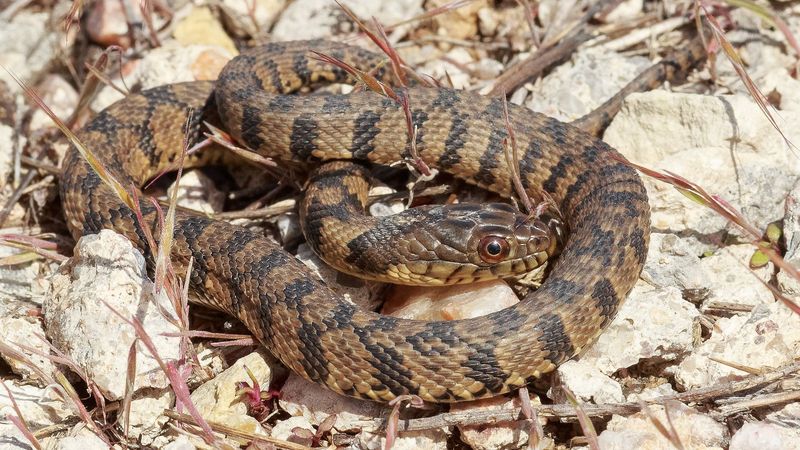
(197, 191)
(180, 443)
(788, 417)
(764, 436)
(732, 281)
(455, 302)
(245, 19)
(574, 89)
(768, 337)
(83, 439)
(106, 23)
(788, 88)
(26, 330)
(59, 96)
(309, 19)
(588, 383)
(626, 11)
(200, 27)
(16, 283)
(300, 397)
(170, 63)
(284, 429)
(688, 134)
(219, 399)
(696, 431)
(7, 149)
(435, 439)
(673, 261)
(41, 407)
(107, 272)
(12, 438)
(458, 23)
(146, 419)
(791, 232)
(653, 325)
(354, 290)
(28, 43)
(513, 434)
(451, 66)
(651, 393)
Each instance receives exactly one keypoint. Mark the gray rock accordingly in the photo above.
(107, 272)
(725, 144)
(654, 325)
(574, 89)
(768, 337)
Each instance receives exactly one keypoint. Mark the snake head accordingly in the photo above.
(463, 243)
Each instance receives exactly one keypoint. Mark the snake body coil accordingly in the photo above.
(308, 327)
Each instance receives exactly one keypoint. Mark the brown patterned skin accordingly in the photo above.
(425, 246)
(309, 328)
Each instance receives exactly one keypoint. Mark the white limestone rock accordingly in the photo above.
(732, 281)
(767, 337)
(576, 88)
(673, 261)
(107, 272)
(653, 325)
(197, 191)
(309, 19)
(696, 431)
(723, 143)
(218, 399)
(588, 383)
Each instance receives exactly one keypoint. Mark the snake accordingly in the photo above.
(424, 246)
(304, 323)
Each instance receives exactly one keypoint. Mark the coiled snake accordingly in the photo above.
(308, 327)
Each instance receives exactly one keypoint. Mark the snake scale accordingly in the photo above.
(304, 323)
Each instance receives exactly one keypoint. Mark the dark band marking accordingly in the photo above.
(605, 298)
(250, 127)
(364, 132)
(456, 138)
(555, 340)
(304, 131)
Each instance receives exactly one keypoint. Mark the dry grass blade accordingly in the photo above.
(393, 420)
(433, 12)
(512, 160)
(535, 432)
(10, 352)
(127, 397)
(738, 65)
(23, 428)
(224, 139)
(34, 249)
(146, 7)
(93, 161)
(19, 419)
(671, 434)
(364, 77)
(583, 419)
(177, 383)
(163, 262)
(70, 393)
(92, 82)
(770, 16)
(237, 433)
(530, 17)
(72, 14)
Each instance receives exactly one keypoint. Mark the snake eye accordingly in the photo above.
(493, 249)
